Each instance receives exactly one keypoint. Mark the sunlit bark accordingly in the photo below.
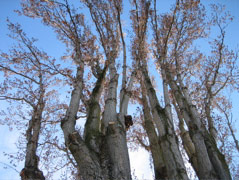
(158, 160)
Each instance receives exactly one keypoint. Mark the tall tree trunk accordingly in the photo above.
(158, 162)
(87, 161)
(125, 94)
(31, 170)
(211, 163)
(167, 138)
(113, 129)
(92, 131)
(210, 120)
(187, 141)
(94, 138)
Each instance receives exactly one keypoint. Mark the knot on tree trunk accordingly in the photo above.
(111, 128)
(128, 121)
(193, 126)
(161, 173)
(31, 173)
(74, 138)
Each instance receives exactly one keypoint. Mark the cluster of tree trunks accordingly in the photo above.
(102, 152)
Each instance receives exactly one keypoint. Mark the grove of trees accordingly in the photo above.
(151, 85)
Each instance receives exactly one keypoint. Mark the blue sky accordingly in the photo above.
(49, 43)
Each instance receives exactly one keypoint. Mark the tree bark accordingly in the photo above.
(31, 170)
(92, 131)
(158, 161)
(211, 163)
(187, 141)
(87, 161)
(167, 138)
(113, 129)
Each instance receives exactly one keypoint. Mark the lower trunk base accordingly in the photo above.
(31, 173)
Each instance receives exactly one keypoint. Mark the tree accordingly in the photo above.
(173, 162)
(28, 80)
(96, 140)
(209, 162)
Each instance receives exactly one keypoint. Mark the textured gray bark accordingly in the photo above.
(211, 163)
(87, 160)
(167, 138)
(113, 129)
(31, 170)
(158, 162)
(118, 152)
(92, 131)
(187, 141)
(125, 94)
(89, 167)
(103, 153)
(211, 126)
(205, 168)
(68, 123)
